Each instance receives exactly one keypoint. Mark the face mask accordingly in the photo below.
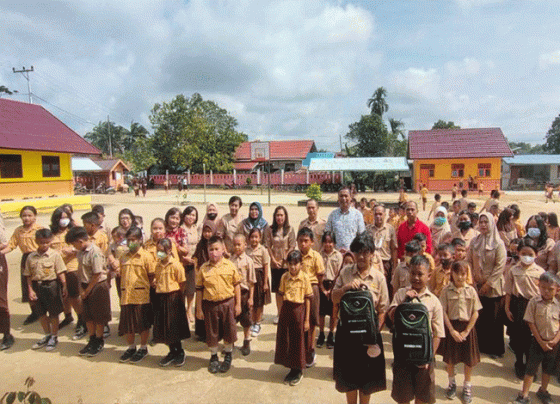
(64, 222)
(439, 221)
(534, 232)
(445, 262)
(407, 260)
(161, 255)
(212, 216)
(464, 225)
(133, 246)
(123, 242)
(527, 259)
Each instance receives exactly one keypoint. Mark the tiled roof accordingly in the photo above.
(32, 127)
(458, 143)
(108, 165)
(244, 165)
(279, 150)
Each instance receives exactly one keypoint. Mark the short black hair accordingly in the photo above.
(446, 247)
(437, 197)
(254, 230)
(134, 232)
(413, 246)
(234, 199)
(91, 218)
(420, 260)
(328, 234)
(458, 241)
(420, 237)
(75, 234)
(528, 242)
(471, 205)
(215, 239)
(43, 234)
(165, 243)
(363, 242)
(305, 231)
(294, 257)
(464, 193)
(99, 209)
(460, 265)
(29, 208)
(549, 277)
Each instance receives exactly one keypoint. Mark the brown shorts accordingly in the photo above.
(97, 305)
(537, 356)
(411, 382)
(245, 317)
(49, 298)
(219, 316)
(73, 284)
(135, 318)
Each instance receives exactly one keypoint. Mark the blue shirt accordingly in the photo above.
(345, 226)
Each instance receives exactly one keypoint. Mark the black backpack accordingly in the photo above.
(412, 337)
(358, 317)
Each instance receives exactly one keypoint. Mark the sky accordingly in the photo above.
(290, 69)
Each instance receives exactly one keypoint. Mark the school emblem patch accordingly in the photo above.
(412, 317)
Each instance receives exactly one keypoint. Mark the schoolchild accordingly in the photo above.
(435, 205)
(246, 268)
(117, 250)
(423, 241)
(200, 257)
(99, 238)
(261, 290)
(218, 302)
(157, 230)
(8, 340)
(94, 289)
(401, 276)
(296, 293)
(170, 316)
(100, 210)
(460, 305)
(442, 274)
(459, 249)
(45, 273)
(411, 381)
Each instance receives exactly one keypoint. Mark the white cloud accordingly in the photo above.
(549, 59)
(467, 67)
(421, 83)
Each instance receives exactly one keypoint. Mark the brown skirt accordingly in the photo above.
(245, 317)
(460, 352)
(170, 318)
(135, 318)
(219, 321)
(4, 311)
(97, 305)
(290, 336)
(260, 296)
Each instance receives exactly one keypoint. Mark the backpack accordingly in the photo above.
(412, 337)
(358, 316)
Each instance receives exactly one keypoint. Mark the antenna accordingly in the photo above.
(25, 73)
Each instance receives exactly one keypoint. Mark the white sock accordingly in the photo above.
(133, 346)
(214, 350)
(228, 348)
(451, 380)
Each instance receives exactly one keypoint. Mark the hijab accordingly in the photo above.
(258, 223)
(489, 241)
(216, 220)
(440, 230)
(201, 252)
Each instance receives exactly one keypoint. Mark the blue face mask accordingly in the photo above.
(439, 221)
(534, 232)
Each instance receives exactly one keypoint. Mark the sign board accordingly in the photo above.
(260, 151)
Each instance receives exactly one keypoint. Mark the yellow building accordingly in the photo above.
(35, 152)
(467, 158)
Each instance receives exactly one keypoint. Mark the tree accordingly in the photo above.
(397, 139)
(121, 139)
(5, 90)
(191, 131)
(141, 154)
(370, 137)
(552, 144)
(377, 102)
(445, 125)
(526, 148)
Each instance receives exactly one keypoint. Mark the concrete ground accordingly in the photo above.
(65, 377)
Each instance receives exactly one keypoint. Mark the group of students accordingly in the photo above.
(223, 271)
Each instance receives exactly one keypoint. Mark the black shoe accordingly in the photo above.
(214, 365)
(67, 320)
(168, 359)
(226, 364)
(297, 378)
(7, 342)
(330, 341)
(42, 342)
(321, 340)
(246, 348)
(310, 360)
(85, 350)
(179, 359)
(139, 355)
(106, 332)
(96, 348)
(31, 319)
(127, 355)
(291, 374)
(544, 396)
(80, 333)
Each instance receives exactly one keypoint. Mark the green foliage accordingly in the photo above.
(248, 180)
(26, 397)
(370, 137)
(5, 90)
(441, 124)
(552, 144)
(191, 131)
(314, 192)
(377, 102)
(526, 148)
(140, 155)
(122, 139)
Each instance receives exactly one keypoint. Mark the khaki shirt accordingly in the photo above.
(227, 229)
(523, 282)
(312, 265)
(246, 268)
(385, 240)
(440, 279)
(279, 245)
(135, 282)
(546, 257)
(467, 237)
(432, 303)
(59, 244)
(91, 261)
(375, 281)
(295, 289)
(24, 239)
(150, 247)
(259, 255)
(545, 316)
(217, 281)
(192, 239)
(490, 266)
(101, 240)
(459, 303)
(464, 203)
(332, 263)
(431, 261)
(44, 267)
(169, 275)
(318, 228)
(401, 276)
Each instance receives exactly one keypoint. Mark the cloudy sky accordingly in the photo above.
(291, 69)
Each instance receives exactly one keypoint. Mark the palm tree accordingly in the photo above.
(377, 102)
(397, 140)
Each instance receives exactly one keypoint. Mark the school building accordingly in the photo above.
(286, 155)
(444, 157)
(530, 171)
(35, 153)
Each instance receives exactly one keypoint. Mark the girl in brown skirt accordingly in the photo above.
(460, 304)
(170, 321)
(261, 293)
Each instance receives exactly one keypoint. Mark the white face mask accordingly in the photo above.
(64, 222)
(527, 259)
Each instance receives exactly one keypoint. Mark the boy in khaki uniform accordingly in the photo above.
(218, 302)
(44, 269)
(401, 276)
(97, 236)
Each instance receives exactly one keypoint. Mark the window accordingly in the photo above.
(458, 170)
(431, 169)
(484, 170)
(51, 166)
(10, 166)
(289, 167)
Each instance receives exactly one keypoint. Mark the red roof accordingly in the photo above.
(279, 150)
(457, 143)
(31, 127)
(244, 165)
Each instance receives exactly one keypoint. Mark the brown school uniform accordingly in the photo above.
(246, 268)
(401, 277)
(440, 279)
(260, 258)
(291, 347)
(101, 240)
(279, 246)
(43, 270)
(227, 229)
(385, 242)
(97, 305)
(467, 237)
(546, 258)
(25, 240)
(410, 381)
(312, 265)
(217, 282)
(460, 304)
(318, 228)
(71, 262)
(507, 236)
(332, 263)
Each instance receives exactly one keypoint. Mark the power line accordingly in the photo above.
(25, 73)
(65, 111)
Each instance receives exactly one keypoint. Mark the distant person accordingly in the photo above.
(424, 196)
(463, 200)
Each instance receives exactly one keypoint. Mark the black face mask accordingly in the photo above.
(445, 262)
(212, 216)
(464, 225)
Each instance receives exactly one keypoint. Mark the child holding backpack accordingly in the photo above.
(411, 379)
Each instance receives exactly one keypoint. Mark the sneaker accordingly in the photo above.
(451, 391)
(80, 333)
(214, 365)
(67, 321)
(544, 396)
(246, 348)
(106, 332)
(321, 340)
(42, 342)
(51, 345)
(296, 379)
(291, 374)
(330, 341)
(226, 364)
(30, 319)
(179, 359)
(256, 329)
(139, 355)
(168, 359)
(127, 355)
(85, 350)
(311, 363)
(96, 348)
(466, 396)
(521, 400)
(275, 320)
(7, 342)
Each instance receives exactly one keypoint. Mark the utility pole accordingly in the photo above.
(340, 138)
(109, 132)
(25, 73)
